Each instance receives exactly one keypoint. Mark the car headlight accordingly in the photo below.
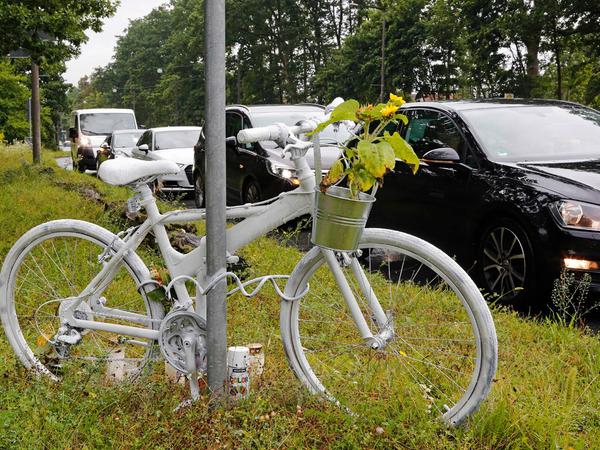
(283, 171)
(574, 214)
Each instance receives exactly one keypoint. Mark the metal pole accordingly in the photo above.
(35, 114)
(214, 131)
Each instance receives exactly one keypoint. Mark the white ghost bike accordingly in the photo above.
(395, 324)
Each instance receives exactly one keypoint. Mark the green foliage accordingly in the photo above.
(372, 154)
(13, 104)
(570, 300)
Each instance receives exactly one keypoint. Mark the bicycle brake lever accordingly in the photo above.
(296, 149)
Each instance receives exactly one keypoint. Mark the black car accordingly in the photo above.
(257, 172)
(512, 189)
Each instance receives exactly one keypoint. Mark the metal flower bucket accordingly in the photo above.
(339, 219)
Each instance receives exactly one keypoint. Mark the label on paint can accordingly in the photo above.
(237, 366)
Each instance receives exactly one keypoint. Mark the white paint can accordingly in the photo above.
(239, 378)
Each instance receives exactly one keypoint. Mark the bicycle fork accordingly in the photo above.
(379, 317)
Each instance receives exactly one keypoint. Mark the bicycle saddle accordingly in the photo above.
(122, 171)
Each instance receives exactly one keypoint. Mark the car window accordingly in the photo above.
(233, 124)
(122, 140)
(178, 138)
(429, 130)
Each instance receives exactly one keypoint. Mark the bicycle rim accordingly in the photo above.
(441, 359)
(52, 268)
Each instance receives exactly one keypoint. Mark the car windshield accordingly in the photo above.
(328, 136)
(536, 133)
(176, 139)
(99, 124)
(124, 140)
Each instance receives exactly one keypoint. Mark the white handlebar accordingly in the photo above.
(280, 132)
(250, 135)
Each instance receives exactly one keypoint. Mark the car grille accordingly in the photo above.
(189, 173)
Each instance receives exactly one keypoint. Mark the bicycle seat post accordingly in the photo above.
(148, 202)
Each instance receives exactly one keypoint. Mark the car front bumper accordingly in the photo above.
(578, 246)
(181, 181)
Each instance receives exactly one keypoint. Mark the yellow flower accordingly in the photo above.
(365, 112)
(389, 111)
(397, 100)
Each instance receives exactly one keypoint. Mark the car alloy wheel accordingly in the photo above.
(504, 262)
(251, 192)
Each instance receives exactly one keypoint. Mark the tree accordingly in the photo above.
(49, 31)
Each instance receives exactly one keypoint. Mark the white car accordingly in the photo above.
(174, 144)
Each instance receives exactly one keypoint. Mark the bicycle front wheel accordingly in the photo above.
(439, 348)
(44, 271)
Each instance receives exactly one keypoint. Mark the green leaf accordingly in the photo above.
(360, 180)
(335, 172)
(371, 158)
(401, 117)
(402, 150)
(377, 158)
(344, 111)
(387, 154)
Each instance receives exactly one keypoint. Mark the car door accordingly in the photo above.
(234, 123)
(435, 202)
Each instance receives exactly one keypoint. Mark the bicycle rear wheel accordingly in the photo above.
(440, 351)
(49, 266)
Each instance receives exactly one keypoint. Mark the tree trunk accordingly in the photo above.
(36, 114)
(558, 68)
(382, 70)
(533, 63)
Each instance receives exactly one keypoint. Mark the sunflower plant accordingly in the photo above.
(374, 151)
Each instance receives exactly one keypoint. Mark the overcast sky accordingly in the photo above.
(99, 49)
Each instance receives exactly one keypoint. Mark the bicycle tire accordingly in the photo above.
(308, 337)
(33, 254)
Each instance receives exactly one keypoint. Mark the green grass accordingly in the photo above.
(546, 394)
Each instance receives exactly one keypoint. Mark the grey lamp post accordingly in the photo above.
(214, 132)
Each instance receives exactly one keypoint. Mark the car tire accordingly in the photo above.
(251, 192)
(506, 264)
(199, 193)
(97, 166)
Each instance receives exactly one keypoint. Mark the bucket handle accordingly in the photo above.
(317, 159)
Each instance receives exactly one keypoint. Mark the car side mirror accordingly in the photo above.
(231, 142)
(441, 156)
(72, 133)
(144, 148)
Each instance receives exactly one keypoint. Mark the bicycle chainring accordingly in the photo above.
(174, 329)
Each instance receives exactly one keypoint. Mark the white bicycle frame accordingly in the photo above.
(258, 220)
